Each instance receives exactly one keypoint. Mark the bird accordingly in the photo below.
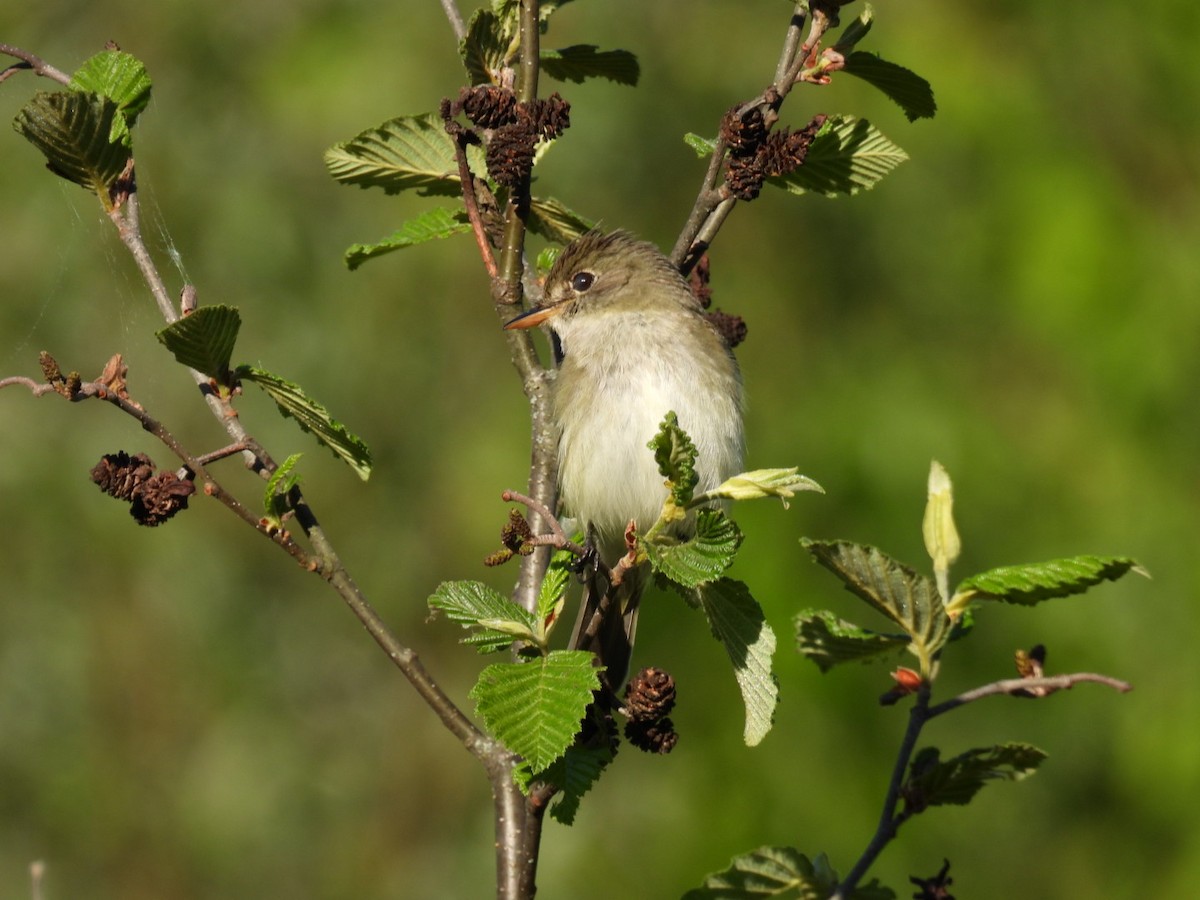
(634, 344)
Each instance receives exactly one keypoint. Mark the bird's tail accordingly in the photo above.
(607, 622)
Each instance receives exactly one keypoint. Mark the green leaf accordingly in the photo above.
(581, 61)
(473, 603)
(781, 872)
(828, 640)
(73, 131)
(574, 773)
(955, 781)
(430, 225)
(123, 79)
(554, 584)
(738, 622)
(204, 340)
(488, 45)
(1030, 584)
(282, 480)
(855, 31)
(781, 483)
(907, 598)
(403, 154)
(311, 416)
(546, 258)
(907, 89)
(848, 155)
(703, 146)
(676, 457)
(555, 221)
(535, 707)
(702, 558)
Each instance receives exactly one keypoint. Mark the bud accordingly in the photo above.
(941, 537)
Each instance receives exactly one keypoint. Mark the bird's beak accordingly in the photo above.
(535, 316)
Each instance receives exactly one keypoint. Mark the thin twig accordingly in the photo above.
(38, 65)
(455, 18)
(886, 829)
(471, 202)
(1028, 687)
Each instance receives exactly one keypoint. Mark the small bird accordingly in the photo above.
(635, 345)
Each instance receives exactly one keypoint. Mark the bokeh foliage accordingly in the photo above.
(186, 715)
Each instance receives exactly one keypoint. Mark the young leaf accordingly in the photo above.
(957, 780)
(282, 480)
(554, 585)
(907, 598)
(311, 416)
(471, 604)
(555, 221)
(703, 146)
(907, 89)
(430, 225)
(73, 131)
(487, 45)
(403, 154)
(848, 155)
(704, 557)
(582, 61)
(738, 622)
(123, 79)
(1029, 584)
(828, 640)
(535, 707)
(781, 483)
(204, 340)
(676, 457)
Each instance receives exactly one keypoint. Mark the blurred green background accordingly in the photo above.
(184, 714)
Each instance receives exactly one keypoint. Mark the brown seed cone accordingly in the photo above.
(650, 695)
(120, 475)
(652, 737)
(160, 498)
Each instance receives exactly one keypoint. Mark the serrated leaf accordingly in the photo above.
(1030, 584)
(431, 225)
(311, 416)
(738, 622)
(906, 597)
(781, 483)
(555, 221)
(546, 258)
(675, 455)
(204, 340)
(472, 603)
(73, 131)
(535, 707)
(582, 61)
(780, 872)
(828, 640)
(956, 781)
(702, 558)
(847, 155)
(403, 154)
(282, 480)
(906, 88)
(487, 45)
(123, 79)
(554, 584)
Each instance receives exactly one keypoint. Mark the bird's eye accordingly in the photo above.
(581, 281)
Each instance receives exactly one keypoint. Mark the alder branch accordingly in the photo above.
(714, 202)
(455, 18)
(1030, 688)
